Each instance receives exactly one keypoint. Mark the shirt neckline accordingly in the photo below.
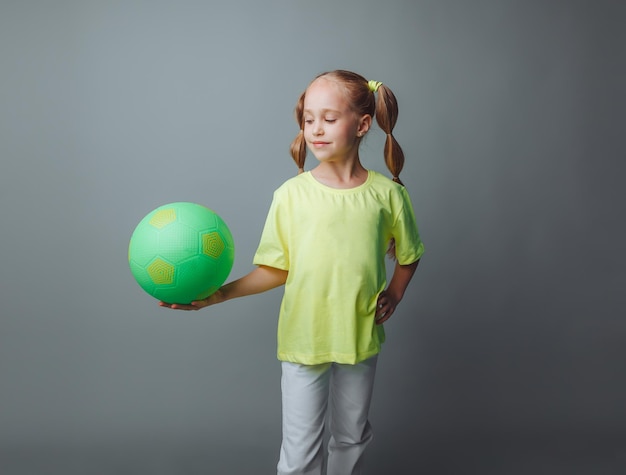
(365, 184)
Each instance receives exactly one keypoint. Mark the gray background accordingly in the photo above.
(506, 356)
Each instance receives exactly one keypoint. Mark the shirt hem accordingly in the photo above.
(327, 358)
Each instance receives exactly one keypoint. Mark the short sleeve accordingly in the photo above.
(409, 246)
(273, 250)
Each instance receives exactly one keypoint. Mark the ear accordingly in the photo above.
(364, 125)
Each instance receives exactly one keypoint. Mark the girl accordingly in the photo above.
(325, 238)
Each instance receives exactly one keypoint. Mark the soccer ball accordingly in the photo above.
(181, 252)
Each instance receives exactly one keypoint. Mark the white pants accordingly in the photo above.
(307, 393)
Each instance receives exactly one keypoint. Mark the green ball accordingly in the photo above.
(181, 252)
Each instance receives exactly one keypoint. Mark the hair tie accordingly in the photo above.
(374, 85)
(300, 170)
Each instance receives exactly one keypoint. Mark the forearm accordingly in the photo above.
(400, 279)
(259, 280)
(391, 296)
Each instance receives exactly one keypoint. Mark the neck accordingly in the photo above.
(340, 175)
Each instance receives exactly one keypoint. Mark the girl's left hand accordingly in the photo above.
(385, 306)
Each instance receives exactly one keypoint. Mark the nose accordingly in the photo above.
(317, 128)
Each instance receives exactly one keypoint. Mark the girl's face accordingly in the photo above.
(331, 129)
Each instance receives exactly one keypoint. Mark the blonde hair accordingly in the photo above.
(381, 104)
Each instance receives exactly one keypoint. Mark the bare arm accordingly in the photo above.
(389, 299)
(259, 280)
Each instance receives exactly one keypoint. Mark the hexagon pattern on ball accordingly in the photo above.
(181, 252)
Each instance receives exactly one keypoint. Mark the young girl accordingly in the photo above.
(325, 239)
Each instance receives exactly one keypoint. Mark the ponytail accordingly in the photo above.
(298, 146)
(386, 116)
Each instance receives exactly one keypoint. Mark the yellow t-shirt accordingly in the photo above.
(333, 243)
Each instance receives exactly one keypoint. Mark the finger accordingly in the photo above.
(380, 311)
(381, 319)
(185, 307)
(179, 306)
(384, 316)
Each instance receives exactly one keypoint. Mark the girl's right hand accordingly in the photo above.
(216, 297)
(261, 279)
